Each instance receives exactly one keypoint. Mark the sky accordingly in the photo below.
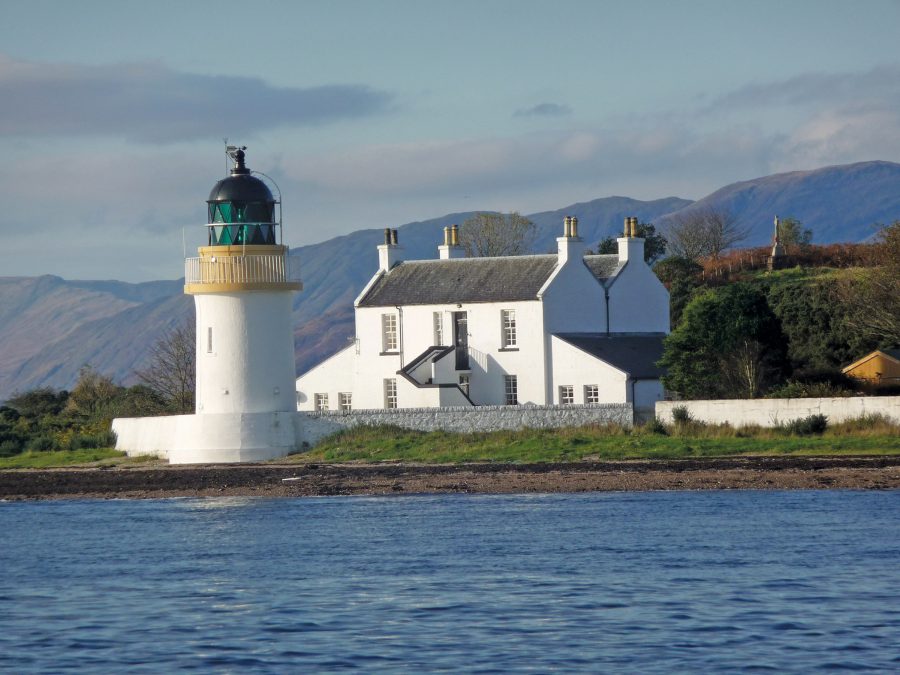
(370, 114)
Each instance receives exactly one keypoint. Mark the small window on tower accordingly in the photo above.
(209, 340)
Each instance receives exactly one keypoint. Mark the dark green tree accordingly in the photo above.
(729, 344)
(39, 402)
(682, 277)
(654, 244)
(814, 318)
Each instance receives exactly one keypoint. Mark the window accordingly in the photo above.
(438, 329)
(512, 389)
(390, 393)
(508, 320)
(209, 340)
(591, 393)
(388, 332)
(566, 394)
(464, 384)
(346, 401)
(321, 402)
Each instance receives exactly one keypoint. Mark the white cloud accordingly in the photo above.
(149, 102)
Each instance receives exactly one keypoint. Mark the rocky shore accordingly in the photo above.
(296, 480)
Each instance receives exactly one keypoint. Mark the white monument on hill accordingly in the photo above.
(243, 287)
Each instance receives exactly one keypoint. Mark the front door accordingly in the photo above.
(461, 339)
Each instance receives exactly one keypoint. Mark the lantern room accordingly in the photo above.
(241, 208)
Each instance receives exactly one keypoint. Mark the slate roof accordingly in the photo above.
(633, 354)
(504, 279)
(604, 266)
(441, 282)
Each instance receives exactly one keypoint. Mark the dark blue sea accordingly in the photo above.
(604, 582)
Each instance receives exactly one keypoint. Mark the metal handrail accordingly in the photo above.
(242, 269)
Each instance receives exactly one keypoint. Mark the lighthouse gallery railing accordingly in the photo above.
(242, 269)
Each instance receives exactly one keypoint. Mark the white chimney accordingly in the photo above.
(389, 253)
(451, 248)
(570, 245)
(631, 247)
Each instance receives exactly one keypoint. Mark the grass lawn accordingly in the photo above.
(381, 444)
(46, 460)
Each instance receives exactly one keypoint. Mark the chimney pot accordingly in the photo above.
(567, 226)
(393, 241)
(573, 227)
(454, 235)
(387, 236)
(446, 236)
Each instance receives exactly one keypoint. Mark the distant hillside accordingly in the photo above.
(50, 328)
(839, 203)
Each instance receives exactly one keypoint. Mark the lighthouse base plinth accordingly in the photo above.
(214, 438)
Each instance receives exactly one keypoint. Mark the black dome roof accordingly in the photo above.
(240, 186)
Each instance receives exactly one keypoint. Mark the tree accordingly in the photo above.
(171, 374)
(654, 244)
(728, 344)
(39, 402)
(703, 233)
(681, 277)
(497, 234)
(873, 295)
(93, 396)
(792, 234)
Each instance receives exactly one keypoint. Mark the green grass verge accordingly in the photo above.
(46, 460)
(384, 444)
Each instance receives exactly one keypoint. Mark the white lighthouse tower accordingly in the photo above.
(243, 287)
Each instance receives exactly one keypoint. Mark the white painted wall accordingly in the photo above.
(488, 364)
(250, 367)
(574, 301)
(571, 366)
(770, 412)
(638, 301)
(210, 438)
(332, 376)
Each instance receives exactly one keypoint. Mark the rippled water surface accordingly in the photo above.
(636, 582)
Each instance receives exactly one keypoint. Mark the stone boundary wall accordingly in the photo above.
(770, 412)
(317, 425)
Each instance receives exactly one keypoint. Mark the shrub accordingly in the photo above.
(794, 389)
(807, 426)
(681, 415)
(41, 444)
(10, 447)
(103, 439)
(654, 426)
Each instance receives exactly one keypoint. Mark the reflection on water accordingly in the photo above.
(637, 582)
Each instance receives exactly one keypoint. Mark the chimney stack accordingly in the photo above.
(570, 245)
(631, 247)
(389, 253)
(451, 248)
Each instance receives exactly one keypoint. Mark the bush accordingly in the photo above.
(103, 439)
(807, 426)
(681, 415)
(794, 389)
(41, 444)
(654, 426)
(10, 447)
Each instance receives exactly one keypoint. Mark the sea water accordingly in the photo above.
(613, 582)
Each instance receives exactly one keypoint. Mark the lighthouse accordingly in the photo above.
(243, 284)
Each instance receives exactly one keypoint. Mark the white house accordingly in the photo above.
(561, 329)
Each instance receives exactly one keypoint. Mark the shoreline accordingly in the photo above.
(308, 480)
